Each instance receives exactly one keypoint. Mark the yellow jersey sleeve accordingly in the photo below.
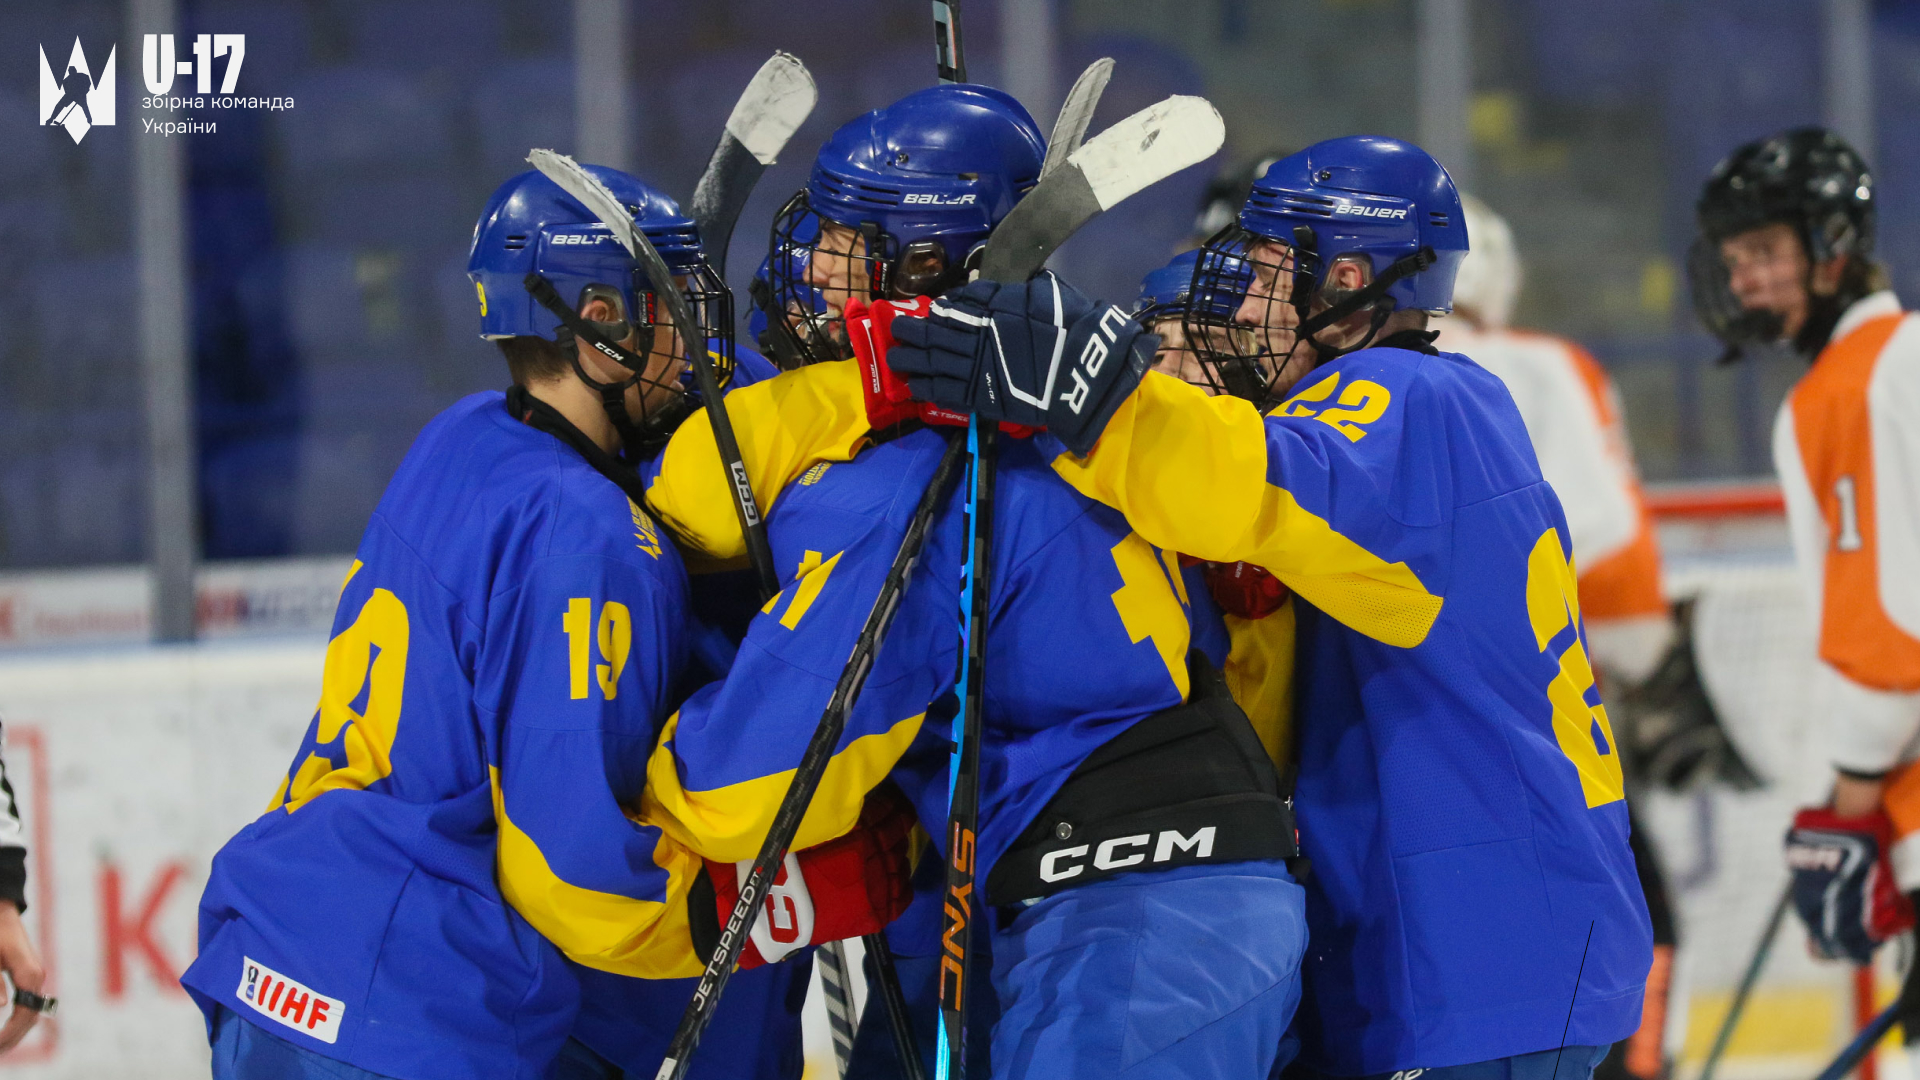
(785, 425)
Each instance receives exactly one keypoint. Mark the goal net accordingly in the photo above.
(1753, 630)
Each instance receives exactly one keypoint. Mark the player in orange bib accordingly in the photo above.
(1785, 257)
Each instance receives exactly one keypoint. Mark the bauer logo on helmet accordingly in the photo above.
(1356, 210)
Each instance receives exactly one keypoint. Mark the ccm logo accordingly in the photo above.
(1124, 851)
(932, 199)
(1357, 210)
(579, 238)
(1094, 357)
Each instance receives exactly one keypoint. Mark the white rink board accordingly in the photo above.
(138, 761)
(131, 761)
(138, 765)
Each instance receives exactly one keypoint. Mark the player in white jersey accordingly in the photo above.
(1573, 416)
(1785, 257)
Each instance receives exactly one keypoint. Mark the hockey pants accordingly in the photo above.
(1185, 973)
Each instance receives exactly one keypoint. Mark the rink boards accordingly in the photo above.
(134, 763)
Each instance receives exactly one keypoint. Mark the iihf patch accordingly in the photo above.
(288, 1003)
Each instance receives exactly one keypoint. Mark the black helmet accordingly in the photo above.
(1808, 178)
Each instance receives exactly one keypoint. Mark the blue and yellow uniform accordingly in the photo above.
(625, 1023)
(1089, 635)
(1459, 790)
(454, 821)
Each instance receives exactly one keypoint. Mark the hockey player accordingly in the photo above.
(1785, 256)
(1098, 858)
(1574, 421)
(1473, 902)
(454, 823)
(1248, 628)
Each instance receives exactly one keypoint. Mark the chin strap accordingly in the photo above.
(1359, 298)
(635, 438)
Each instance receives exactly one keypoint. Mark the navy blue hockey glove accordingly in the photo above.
(1038, 354)
(1843, 886)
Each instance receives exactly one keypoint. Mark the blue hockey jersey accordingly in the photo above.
(452, 822)
(503, 651)
(1088, 634)
(1459, 790)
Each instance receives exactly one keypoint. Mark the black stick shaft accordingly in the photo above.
(1754, 966)
(806, 778)
(963, 814)
(899, 1017)
(949, 56)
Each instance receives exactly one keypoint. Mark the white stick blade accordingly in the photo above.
(1149, 146)
(592, 194)
(1076, 113)
(773, 106)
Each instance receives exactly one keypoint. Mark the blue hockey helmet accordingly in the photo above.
(1369, 196)
(922, 182)
(1362, 197)
(772, 335)
(1166, 290)
(539, 255)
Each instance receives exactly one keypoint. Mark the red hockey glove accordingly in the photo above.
(870, 330)
(1843, 885)
(845, 888)
(1243, 589)
(889, 402)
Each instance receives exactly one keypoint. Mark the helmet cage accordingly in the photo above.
(1242, 359)
(799, 319)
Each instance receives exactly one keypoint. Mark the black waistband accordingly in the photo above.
(1186, 786)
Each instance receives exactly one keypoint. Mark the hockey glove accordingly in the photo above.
(1843, 885)
(845, 888)
(889, 402)
(1037, 354)
(1243, 589)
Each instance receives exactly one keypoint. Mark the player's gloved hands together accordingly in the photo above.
(1037, 353)
(847, 887)
(889, 400)
(1843, 886)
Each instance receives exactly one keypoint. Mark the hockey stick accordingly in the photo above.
(1070, 127)
(963, 765)
(1136, 152)
(948, 56)
(1761, 950)
(1142, 149)
(807, 775)
(772, 107)
(1862, 1044)
(836, 985)
(600, 202)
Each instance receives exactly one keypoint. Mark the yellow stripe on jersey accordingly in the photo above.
(786, 425)
(806, 587)
(1198, 484)
(729, 824)
(646, 939)
(1259, 675)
